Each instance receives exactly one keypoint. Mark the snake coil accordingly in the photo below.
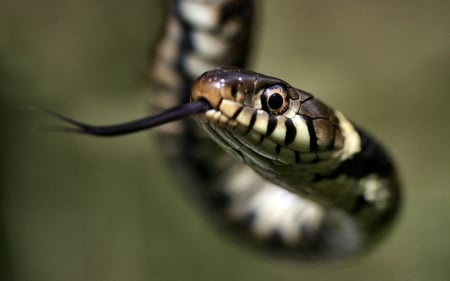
(309, 183)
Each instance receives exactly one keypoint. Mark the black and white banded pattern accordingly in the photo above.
(270, 162)
(328, 190)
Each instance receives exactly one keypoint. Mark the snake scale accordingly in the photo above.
(289, 173)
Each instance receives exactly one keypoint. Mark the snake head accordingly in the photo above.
(272, 119)
(244, 88)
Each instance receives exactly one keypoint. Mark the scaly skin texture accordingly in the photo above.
(322, 189)
(306, 183)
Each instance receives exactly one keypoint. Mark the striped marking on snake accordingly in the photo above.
(289, 174)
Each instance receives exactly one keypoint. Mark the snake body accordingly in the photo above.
(273, 164)
(323, 188)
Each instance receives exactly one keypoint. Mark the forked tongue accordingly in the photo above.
(170, 115)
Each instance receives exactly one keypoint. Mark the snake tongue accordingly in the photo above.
(169, 115)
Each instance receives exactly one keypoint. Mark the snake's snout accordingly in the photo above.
(208, 88)
(218, 84)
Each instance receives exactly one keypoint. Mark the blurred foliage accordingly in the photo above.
(81, 208)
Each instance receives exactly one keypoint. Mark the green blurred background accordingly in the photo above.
(83, 208)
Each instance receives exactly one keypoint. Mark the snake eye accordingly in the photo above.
(274, 99)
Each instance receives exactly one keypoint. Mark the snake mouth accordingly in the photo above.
(208, 89)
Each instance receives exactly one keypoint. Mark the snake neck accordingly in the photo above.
(325, 209)
(197, 36)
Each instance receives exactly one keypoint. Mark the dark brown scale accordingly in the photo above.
(314, 108)
(299, 94)
(325, 131)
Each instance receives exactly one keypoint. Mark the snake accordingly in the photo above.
(270, 164)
